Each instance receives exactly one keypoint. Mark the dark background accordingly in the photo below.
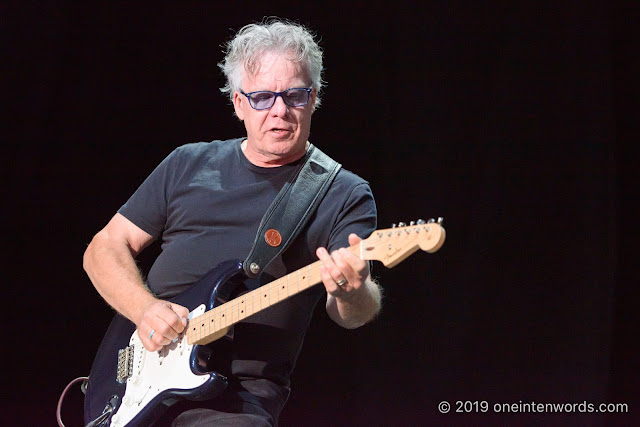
(516, 121)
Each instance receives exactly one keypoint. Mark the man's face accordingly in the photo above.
(278, 135)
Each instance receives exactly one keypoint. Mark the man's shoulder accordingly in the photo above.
(349, 188)
(200, 150)
(345, 179)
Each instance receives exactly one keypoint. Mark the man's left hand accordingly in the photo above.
(343, 273)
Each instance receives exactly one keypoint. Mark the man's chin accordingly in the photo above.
(282, 142)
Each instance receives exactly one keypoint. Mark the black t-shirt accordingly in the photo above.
(205, 202)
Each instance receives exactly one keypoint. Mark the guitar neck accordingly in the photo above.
(219, 319)
(389, 246)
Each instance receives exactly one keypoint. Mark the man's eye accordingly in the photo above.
(264, 96)
(296, 96)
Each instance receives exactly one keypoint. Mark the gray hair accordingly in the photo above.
(244, 52)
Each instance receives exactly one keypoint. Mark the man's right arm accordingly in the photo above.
(110, 263)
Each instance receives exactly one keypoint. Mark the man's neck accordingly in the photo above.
(255, 158)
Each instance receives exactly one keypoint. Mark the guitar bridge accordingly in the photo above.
(125, 364)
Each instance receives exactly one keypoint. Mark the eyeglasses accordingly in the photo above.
(264, 99)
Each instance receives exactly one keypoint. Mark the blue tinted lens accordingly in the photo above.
(264, 99)
(296, 97)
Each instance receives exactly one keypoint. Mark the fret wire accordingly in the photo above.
(203, 325)
(234, 313)
(273, 293)
(245, 305)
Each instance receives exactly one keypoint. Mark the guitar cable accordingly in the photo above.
(85, 381)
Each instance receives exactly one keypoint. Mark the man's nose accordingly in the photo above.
(279, 108)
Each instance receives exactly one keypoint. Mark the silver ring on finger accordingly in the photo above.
(153, 331)
(341, 281)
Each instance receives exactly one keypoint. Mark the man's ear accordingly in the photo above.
(312, 99)
(238, 101)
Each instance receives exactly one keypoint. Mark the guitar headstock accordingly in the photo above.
(393, 245)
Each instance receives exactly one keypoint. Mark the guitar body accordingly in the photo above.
(140, 384)
(152, 381)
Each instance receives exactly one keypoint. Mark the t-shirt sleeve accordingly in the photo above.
(147, 207)
(358, 215)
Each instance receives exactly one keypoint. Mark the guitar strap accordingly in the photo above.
(291, 209)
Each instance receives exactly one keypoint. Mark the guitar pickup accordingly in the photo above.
(125, 364)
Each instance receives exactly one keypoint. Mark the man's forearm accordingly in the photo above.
(359, 308)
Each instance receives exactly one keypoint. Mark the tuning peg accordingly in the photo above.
(394, 225)
(421, 221)
(440, 220)
(431, 221)
(412, 223)
(402, 224)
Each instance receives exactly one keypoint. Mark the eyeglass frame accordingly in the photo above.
(276, 95)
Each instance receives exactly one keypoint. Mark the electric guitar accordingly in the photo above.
(129, 385)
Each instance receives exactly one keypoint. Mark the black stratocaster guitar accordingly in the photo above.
(129, 385)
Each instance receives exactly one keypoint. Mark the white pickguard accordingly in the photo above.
(157, 371)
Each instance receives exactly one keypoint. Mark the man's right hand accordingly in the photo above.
(167, 320)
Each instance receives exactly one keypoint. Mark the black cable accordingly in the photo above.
(64, 392)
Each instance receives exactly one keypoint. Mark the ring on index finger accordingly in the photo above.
(341, 281)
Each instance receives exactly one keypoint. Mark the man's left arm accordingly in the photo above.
(353, 298)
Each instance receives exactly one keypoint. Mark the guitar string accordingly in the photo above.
(226, 309)
(256, 298)
(208, 318)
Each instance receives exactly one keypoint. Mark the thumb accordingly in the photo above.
(354, 239)
(181, 311)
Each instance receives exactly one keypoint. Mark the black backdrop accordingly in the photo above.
(513, 120)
